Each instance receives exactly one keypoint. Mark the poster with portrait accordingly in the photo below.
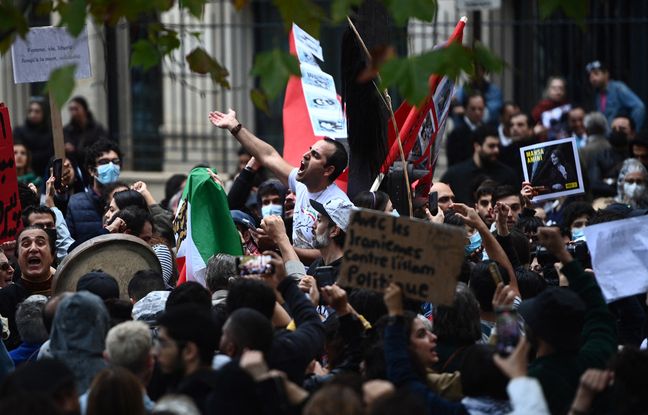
(553, 168)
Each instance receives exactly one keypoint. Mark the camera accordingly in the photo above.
(577, 249)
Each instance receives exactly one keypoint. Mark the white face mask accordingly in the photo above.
(633, 190)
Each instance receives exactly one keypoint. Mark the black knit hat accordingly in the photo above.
(556, 315)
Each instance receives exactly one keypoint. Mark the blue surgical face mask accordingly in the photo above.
(395, 213)
(271, 209)
(474, 244)
(108, 173)
(578, 234)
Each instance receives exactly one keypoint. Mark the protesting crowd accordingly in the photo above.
(528, 329)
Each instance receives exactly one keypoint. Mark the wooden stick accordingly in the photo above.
(57, 129)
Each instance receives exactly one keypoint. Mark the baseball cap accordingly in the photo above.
(99, 283)
(242, 218)
(336, 210)
(595, 65)
(556, 315)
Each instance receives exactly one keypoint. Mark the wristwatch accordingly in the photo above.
(236, 129)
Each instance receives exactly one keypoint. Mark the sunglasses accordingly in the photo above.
(5, 266)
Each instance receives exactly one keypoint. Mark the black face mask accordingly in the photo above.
(618, 139)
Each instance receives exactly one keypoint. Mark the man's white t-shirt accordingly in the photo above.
(304, 215)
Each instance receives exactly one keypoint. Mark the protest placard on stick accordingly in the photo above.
(553, 168)
(423, 258)
(44, 50)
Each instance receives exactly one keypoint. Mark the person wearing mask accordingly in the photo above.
(576, 217)
(83, 130)
(85, 209)
(612, 97)
(36, 135)
(631, 185)
(313, 179)
(604, 170)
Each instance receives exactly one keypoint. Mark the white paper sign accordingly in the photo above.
(619, 252)
(324, 108)
(46, 49)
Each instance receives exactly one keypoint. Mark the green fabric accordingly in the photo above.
(213, 230)
(559, 373)
(31, 177)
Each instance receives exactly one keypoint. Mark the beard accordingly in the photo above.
(486, 159)
(321, 241)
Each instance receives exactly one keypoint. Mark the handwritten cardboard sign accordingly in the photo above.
(48, 48)
(9, 201)
(423, 258)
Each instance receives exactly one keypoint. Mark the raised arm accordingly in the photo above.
(261, 150)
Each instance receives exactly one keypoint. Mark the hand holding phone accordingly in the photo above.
(254, 265)
(433, 202)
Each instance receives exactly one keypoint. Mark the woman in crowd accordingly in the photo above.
(375, 201)
(36, 135)
(23, 159)
(631, 184)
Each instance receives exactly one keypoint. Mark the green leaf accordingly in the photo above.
(403, 10)
(305, 13)
(195, 7)
(201, 62)
(168, 42)
(144, 54)
(61, 84)
(573, 9)
(547, 7)
(12, 23)
(73, 16)
(340, 9)
(274, 68)
(408, 75)
(489, 61)
(260, 100)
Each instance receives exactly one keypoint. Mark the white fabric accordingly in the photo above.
(304, 215)
(63, 238)
(526, 397)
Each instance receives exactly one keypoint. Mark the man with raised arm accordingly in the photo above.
(313, 179)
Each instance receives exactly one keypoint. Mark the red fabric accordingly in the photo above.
(298, 130)
(410, 126)
(542, 106)
(10, 222)
(182, 267)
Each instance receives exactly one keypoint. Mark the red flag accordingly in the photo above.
(9, 201)
(410, 121)
(298, 129)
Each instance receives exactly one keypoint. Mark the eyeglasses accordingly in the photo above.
(5, 266)
(102, 162)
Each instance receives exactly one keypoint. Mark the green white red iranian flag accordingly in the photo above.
(203, 226)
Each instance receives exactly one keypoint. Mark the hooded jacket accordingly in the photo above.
(78, 336)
